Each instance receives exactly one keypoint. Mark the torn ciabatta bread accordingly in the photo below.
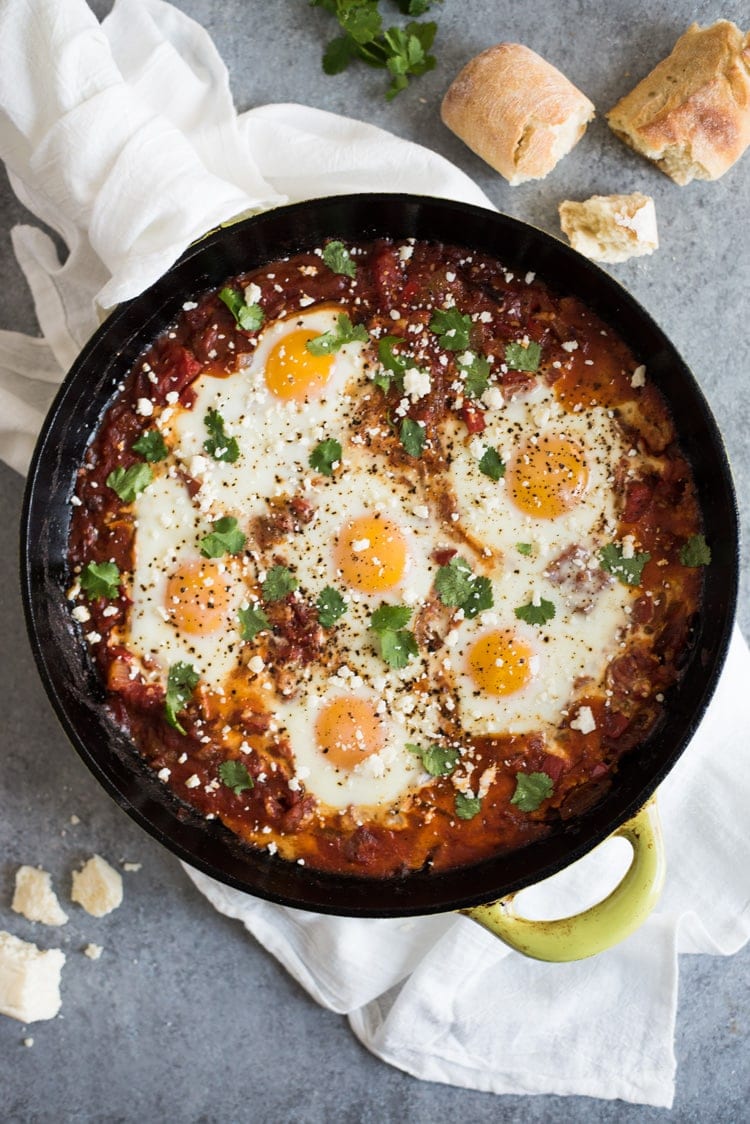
(691, 114)
(611, 228)
(516, 111)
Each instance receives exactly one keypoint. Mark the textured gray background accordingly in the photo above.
(184, 1018)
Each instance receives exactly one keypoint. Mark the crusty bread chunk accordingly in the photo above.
(516, 111)
(97, 887)
(34, 897)
(29, 980)
(611, 228)
(691, 114)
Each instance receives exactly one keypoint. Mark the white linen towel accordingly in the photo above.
(93, 148)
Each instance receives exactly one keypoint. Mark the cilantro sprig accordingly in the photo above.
(279, 582)
(331, 606)
(151, 445)
(182, 680)
(437, 760)
(492, 464)
(234, 775)
(394, 365)
(397, 644)
(344, 332)
(252, 621)
(100, 579)
(531, 790)
(536, 614)
(413, 437)
(325, 455)
(339, 260)
(130, 482)
(220, 446)
(452, 328)
(225, 538)
(249, 317)
(458, 587)
(402, 51)
(695, 552)
(523, 357)
(626, 570)
(476, 372)
(467, 806)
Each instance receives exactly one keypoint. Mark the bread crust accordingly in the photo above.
(516, 111)
(691, 114)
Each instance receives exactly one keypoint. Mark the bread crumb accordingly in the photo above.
(29, 980)
(28, 1041)
(131, 866)
(611, 228)
(97, 887)
(93, 951)
(35, 899)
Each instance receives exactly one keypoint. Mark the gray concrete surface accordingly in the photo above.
(184, 1018)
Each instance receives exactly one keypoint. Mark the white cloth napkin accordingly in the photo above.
(127, 178)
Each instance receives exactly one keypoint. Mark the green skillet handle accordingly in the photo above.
(605, 924)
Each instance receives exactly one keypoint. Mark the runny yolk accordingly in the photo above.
(348, 730)
(292, 372)
(500, 664)
(549, 478)
(371, 554)
(198, 598)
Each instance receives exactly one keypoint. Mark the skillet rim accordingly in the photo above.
(148, 802)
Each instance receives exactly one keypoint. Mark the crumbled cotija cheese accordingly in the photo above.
(98, 887)
(584, 720)
(35, 899)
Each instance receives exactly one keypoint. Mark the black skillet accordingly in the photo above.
(67, 673)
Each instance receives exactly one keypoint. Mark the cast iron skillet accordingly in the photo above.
(65, 667)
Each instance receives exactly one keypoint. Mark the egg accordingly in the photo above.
(184, 605)
(279, 404)
(350, 745)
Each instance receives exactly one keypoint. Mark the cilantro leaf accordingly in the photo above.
(437, 760)
(397, 648)
(249, 317)
(252, 621)
(523, 358)
(531, 790)
(324, 456)
(226, 538)
(415, 7)
(458, 587)
(181, 682)
(406, 53)
(536, 614)
(151, 446)
(467, 806)
(397, 644)
(279, 582)
(390, 617)
(218, 444)
(452, 327)
(234, 775)
(395, 366)
(492, 464)
(524, 548)
(476, 372)
(330, 605)
(344, 332)
(695, 552)
(338, 54)
(626, 570)
(338, 259)
(100, 579)
(128, 482)
(360, 19)
(413, 437)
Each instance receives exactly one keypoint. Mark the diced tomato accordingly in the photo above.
(473, 418)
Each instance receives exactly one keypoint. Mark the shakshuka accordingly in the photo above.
(386, 555)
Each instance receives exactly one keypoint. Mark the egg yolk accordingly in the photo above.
(348, 730)
(371, 554)
(549, 478)
(292, 372)
(199, 597)
(500, 664)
